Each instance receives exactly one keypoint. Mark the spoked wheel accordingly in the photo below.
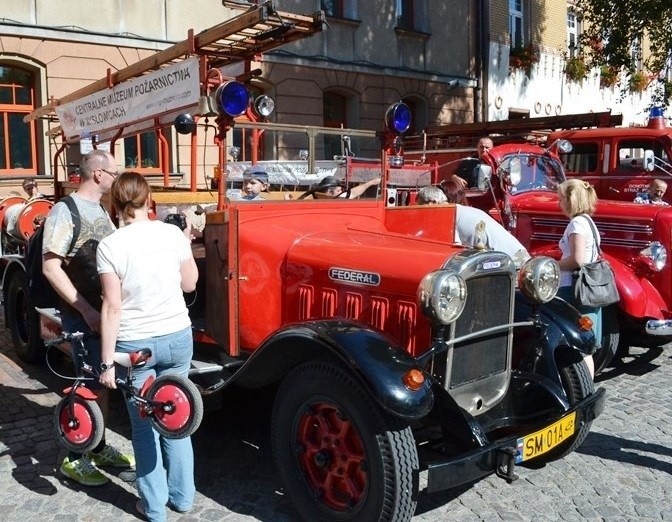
(178, 406)
(339, 455)
(578, 384)
(79, 424)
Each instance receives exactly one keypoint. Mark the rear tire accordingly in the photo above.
(82, 431)
(339, 455)
(610, 338)
(23, 321)
(184, 404)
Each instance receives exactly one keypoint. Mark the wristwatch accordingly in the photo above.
(104, 366)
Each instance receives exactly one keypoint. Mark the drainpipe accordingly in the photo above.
(482, 60)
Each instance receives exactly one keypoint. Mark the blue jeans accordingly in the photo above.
(164, 467)
(595, 314)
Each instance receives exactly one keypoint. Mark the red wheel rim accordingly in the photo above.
(78, 429)
(331, 453)
(178, 400)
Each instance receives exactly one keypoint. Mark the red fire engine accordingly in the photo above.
(391, 350)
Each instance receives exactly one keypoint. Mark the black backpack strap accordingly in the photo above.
(76, 220)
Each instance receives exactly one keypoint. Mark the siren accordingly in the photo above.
(232, 98)
(656, 118)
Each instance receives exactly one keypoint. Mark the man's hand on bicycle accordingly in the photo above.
(108, 378)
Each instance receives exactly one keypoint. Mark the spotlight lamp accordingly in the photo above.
(184, 123)
(264, 105)
(234, 152)
(303, 154)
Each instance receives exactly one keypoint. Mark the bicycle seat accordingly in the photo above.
(133, 359)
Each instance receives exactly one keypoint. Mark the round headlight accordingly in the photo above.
(233, 98)
(442, 295)
(654, 256)
(539, 279)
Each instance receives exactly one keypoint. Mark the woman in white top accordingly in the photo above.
(144, 268)
(578, 200)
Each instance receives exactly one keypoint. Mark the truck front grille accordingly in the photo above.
(488, 304)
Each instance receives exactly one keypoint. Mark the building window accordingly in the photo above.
(405, 18)
(516, 23)
(572, 34)
(333, 8)
(335, 110)
(142, 152)
(636, 54)
(18, 149)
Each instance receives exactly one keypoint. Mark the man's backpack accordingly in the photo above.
(39, 291)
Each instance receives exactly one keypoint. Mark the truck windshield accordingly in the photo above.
(524, 172)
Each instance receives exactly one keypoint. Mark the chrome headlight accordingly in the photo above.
(654, 256)
(539, 279)
(441, 295)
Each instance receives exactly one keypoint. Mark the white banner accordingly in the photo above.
(152, 94)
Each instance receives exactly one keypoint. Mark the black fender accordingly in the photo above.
(374, 358)
(554, 338)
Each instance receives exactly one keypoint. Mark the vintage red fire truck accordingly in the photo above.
(391, 351)
(620, 162)
(521, 193)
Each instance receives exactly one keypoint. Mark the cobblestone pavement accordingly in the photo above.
(622, 472)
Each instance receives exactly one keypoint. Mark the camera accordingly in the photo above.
(177, 219)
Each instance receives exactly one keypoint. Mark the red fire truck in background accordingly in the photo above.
(391, 351)
(524, 168)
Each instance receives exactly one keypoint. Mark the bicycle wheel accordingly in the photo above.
(177, 406)
(79, 423)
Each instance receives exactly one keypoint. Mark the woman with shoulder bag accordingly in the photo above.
(579, 245)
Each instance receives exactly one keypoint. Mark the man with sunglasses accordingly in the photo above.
(30, 188)
(72, 273)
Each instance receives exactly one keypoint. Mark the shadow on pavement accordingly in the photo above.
(626, 451)
(637, 363)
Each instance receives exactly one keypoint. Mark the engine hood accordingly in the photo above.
(378, 260)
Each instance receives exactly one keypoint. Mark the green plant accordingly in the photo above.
(576, 69)
(608, 76)
(523, 58)
(637, 82)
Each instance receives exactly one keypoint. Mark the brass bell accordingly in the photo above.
(206, 107)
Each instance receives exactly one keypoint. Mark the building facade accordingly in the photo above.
(373, 54)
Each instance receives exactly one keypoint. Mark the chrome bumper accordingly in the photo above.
(659, 327)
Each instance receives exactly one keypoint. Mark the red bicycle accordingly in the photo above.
(171, 403)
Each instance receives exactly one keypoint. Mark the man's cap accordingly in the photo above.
(256, 172)
(328, 182)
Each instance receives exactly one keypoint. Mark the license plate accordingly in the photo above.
(545, 439)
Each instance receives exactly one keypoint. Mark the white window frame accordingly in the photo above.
(516, 23)
(573, 32)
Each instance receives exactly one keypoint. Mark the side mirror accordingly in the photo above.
(649, 160)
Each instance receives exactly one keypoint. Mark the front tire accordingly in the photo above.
(182, 406)
(23, 321)
(79, 423)
(578, 384)
(340, 457)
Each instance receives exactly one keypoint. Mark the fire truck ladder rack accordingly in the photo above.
(519, 129)
(258, 30)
